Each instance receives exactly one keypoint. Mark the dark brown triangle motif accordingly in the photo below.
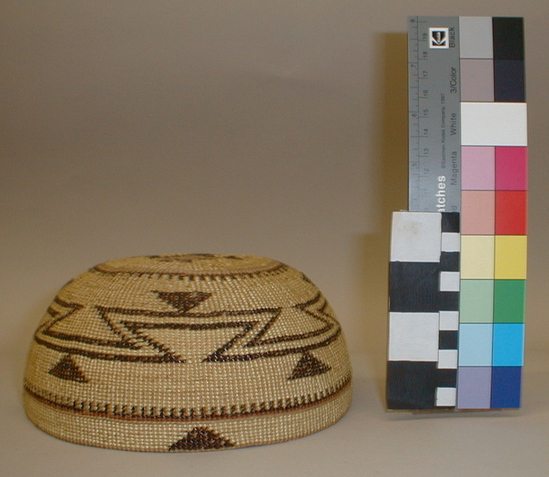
(183, 301)
(201, 438)
(67, 369)
(309, 366)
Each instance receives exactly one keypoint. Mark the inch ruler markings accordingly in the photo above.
(434, 114)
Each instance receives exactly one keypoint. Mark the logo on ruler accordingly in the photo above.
(438, 37)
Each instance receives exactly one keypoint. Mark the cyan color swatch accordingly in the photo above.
(508, 344)
(475, 344)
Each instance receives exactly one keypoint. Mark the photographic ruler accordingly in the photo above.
(458, 255)
(434, 114)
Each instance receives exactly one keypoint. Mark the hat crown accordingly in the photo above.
(180, 346)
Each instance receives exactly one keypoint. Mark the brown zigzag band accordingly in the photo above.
(140, 414)
(278, 268)
(221, 354)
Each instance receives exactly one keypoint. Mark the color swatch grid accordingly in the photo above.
(493, 213)
(457, 279)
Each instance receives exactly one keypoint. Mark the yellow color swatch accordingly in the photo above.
(510, 257)
(477, 257)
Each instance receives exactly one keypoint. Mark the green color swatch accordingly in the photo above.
(476, 301)
(509, 301)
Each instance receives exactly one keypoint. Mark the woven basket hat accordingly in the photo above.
(187, 353)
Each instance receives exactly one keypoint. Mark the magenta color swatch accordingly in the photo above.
(511, 168)
(478, 168)
(478, 212)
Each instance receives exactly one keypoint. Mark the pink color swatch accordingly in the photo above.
(477, 212)
(478, 168)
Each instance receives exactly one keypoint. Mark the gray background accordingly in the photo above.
(273, 128)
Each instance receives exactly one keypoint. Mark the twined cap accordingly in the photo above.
(187, 353)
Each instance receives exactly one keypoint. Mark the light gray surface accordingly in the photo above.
(273, 128)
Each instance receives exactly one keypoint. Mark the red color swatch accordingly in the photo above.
(511, 212)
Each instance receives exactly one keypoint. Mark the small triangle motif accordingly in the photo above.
(309, 366)
(183, 301)
(67, 369)
(201, 438)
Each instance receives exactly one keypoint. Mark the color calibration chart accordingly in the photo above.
(458, 256)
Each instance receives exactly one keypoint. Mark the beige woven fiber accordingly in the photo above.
(189, 352)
